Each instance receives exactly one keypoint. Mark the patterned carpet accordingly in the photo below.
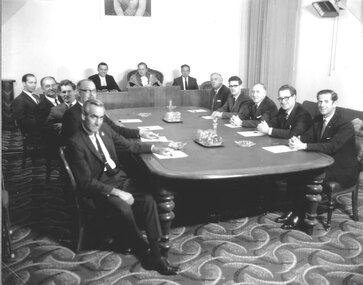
(246, 250)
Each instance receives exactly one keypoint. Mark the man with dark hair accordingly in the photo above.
(236, 103)
(143, 77)
(185, 81)
(260, 109)
(329, 133)
(25, 107)
(219, 92)
(102, 80)
(100, 177)
(292, 119)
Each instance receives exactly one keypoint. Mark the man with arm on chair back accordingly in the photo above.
(292, 118)
(143, 77)
(102, 80)
(185, 81)
(93, 160)
(329, 133)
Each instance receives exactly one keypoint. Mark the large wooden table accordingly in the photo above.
(228, 162)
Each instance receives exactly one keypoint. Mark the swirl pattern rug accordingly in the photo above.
(246, 250)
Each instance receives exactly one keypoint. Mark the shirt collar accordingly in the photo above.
(328, 118)
(52, 100)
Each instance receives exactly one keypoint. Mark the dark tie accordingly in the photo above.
(254, 110)
(186, 83)
(100, 150)
(35, 96)
(214, 93)
(56, 101)
(323, 127)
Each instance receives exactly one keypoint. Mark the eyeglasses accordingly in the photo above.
(66, 91)
(230, 86)
(93, 91)
(284, 99)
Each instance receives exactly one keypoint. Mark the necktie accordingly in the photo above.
(35, 96)
(214, 93)
(56, 101)
(324, 127)
(254, 110)
(109, 170)
(186, 83)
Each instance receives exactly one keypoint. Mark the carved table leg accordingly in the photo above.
(313, 196)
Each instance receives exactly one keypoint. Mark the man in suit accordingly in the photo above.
(261, 109)
(219, 92)
(103, 81)
(236, 103)
(185, 81)
(68, 90)
(143, 77)
(329, 133)
(25, 107)
(99, 176)
(292, 119)
(86, 90)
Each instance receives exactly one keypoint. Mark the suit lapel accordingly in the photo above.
(326, 133)
(90, 145)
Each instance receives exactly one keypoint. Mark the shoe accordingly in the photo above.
(161, 265)
(292, 223)
(284, 218)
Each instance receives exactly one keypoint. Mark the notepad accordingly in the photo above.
(150, 128)
(157, 139)
(232, 126)
(174, 154)
(130, 121)
(251, 134)
(207, 117)
(197, 111)
(278, 148)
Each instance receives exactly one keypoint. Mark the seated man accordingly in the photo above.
(236, 103)
(143, 77)
(25, 107)
(261, 109)
(103, 81)
(292, 118)
(330, 133)
(185, 81)
(86, 90)
(100, 177)
(219, 92)
(68, 90)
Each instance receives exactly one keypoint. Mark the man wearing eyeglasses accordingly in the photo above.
(292, 119)
(236, 103)
(86, 90)
(261, 109)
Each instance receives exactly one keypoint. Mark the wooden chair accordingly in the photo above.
(157, 73)
(206, 85)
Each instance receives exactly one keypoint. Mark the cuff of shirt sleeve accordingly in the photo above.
(269, 131)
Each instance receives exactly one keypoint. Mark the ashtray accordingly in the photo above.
(144, 115)
(177, 145)
(245, 143)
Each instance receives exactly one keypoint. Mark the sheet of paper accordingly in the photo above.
(150, 128)
(197, 111)
(251, 134)
(232, 126)
(130, 121)
(174, 154)
(158, 139)
(278, 148)
(207, 117)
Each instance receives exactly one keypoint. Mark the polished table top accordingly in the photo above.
(228, 161)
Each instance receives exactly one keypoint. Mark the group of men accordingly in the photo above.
(142, 77)
(94, 143)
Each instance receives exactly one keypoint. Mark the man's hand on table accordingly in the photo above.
(217, 114)
(162, 150)
(236, 121)
(148, 135)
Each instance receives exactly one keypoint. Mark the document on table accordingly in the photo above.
(174, 154)
(198, 111)
(156, 139)
(150, 128)
(207, 117)
(278, 148)
(251, 134)
(130, 121)
(232, 126)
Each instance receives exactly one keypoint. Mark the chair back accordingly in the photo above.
(157, 73)
(71, 180)
(206, 85)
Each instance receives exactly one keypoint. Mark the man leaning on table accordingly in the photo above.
(236, 103)
(331, 134)
(261, 109)
(101, 178)
(292, 119)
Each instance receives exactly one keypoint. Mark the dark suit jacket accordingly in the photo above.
(219, 99)
(192, 83)
(88, 166)
(337, 141)
(267, 111)
(298, 122)
(240, 106)
(110, 81)
(24, 110)
(43, 110)
(56, 114)
(72, 120)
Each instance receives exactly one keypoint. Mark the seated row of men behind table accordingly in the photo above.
(143, 77)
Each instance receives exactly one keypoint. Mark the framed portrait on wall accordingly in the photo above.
(138, 8)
